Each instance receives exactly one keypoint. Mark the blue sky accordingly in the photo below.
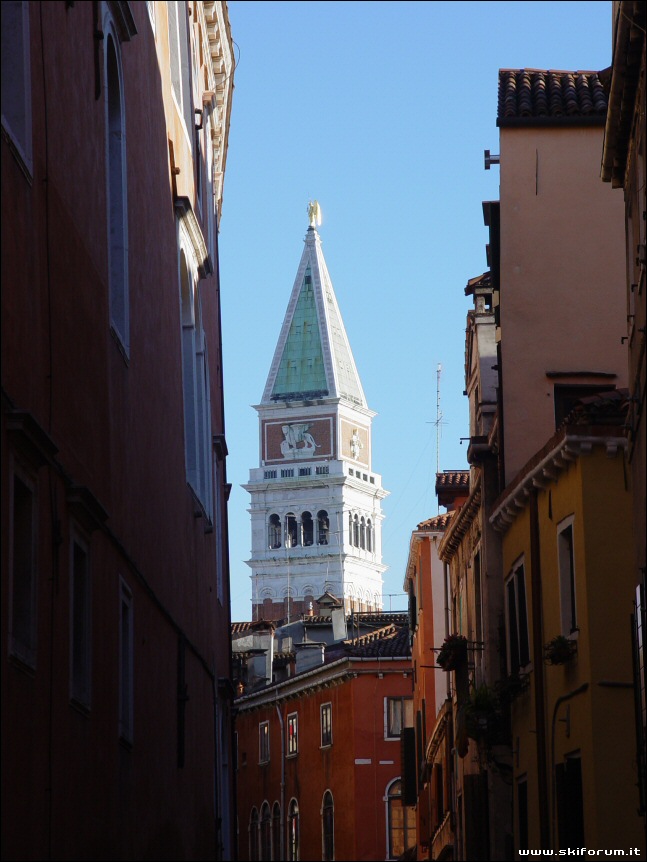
(381, 111)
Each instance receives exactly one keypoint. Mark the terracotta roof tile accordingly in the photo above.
(479, 282)
(604, 408)
(239, 628)
(388, 641)
(538, 97)
(437, 523)
(453, 479)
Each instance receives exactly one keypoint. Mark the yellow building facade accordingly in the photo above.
(567, 566)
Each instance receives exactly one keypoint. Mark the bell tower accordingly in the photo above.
(315, 500)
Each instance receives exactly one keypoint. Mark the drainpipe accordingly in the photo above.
(278, 712)
(446, 588)
(540, 694)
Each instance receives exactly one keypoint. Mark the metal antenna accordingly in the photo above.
(438, 423)
(439, 417)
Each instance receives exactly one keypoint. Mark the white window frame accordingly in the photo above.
(325, 708)
(292, 738)
(264, 742)
(23, 636)
(80, 670)
(323, 834)
(16, 82)
(294, 848)
(513, 576)
(116, 190)
(388, 802)
(388, 735)
(126, 662)
(567, 578)
(196, 386)
(181, 69)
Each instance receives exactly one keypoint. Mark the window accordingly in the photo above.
(570, 801)
(179, 57)
(293, 831)
(369, 536)
(398, 713)
(16, 80)
(80, 623)
(307, 529)
(266, 833)
(291, 531)
(401, 820)
(276, 832)
(274, 532)
(326, 724)
(219, 507)
(478, 612)
(323, 527)
(327, 827)
(253, 833)
(356, 531)
(117, 192)
(125, 663)
(517, 620)
(293, 734)
(362, 533)
(264, 742)
(22, 601)
(195, 379)
(566, 564)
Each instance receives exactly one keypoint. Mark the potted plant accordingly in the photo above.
(559, 650)
(453, 652)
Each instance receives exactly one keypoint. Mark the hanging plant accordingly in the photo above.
(511, 687)
(559, 650)
(453, 652)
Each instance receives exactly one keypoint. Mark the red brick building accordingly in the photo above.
(115, 596)
(319, 771)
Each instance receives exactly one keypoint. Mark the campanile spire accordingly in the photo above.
(316, 502)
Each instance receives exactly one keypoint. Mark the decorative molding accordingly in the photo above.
(547, 470)
(123, 17)
(188, 219)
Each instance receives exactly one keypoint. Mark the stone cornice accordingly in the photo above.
(565, 447)
(324, 676)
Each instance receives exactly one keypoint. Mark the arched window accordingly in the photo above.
(266, 833)
(328, 827)
(274, 532)
(369, 536)
(293, 831)
(350, 528)
(401, 821)
(253, 835)
(195, 380)
(323, 527)
(276, 832)
(117, 194)
(356, 531)
(291, 531)
(362, 533)
(307, 530)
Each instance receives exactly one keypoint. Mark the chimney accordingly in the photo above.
(339, 624)
(309, 655)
